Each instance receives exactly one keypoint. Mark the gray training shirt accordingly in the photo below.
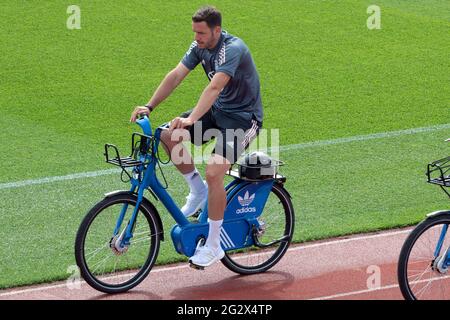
(241, 96)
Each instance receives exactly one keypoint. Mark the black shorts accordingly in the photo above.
(233, 134)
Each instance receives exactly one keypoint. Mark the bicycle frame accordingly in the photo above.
(240, 219)
(444, 261)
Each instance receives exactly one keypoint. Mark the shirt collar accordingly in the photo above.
(219, 43)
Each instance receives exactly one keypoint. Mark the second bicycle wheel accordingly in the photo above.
(420, 275)
(104, 264)
(277, 222)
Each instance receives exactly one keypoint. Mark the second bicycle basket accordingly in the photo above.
(438, 172)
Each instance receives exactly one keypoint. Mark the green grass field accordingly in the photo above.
(324, 76)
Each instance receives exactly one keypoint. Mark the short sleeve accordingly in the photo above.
(229, 59)
(191, 59)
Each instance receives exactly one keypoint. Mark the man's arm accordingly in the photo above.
(166, 87)
(208, 97)
(170, 82)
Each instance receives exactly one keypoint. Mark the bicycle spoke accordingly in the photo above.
(100, 263)
(416, 280)
(426, 287)
(97, 251)
(143, 239)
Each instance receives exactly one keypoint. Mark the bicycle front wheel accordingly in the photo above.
(420, 275)
(104, 264)
(277, 222)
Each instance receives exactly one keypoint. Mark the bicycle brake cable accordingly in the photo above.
(121, 175)
(158, 162)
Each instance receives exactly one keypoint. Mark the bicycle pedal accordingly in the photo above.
(196, 267)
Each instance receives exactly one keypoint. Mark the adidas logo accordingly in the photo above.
(246, 200)
(245, 210)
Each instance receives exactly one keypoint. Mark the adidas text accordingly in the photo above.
(245, 210)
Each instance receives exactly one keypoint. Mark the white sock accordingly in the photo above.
(213, 240)
(195, 182)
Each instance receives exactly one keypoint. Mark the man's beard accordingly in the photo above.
(208, 45)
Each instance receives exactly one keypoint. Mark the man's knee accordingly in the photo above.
(176, 137)
(213, 175)
(216, 169)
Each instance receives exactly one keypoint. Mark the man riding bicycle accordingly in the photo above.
(230, 107)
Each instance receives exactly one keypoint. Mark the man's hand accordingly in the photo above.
(137, 111)
(180, 123)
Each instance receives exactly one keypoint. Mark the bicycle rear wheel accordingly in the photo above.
(278, 220)
(418, 273)
(105, 265)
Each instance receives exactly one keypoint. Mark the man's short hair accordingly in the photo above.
(210, 15)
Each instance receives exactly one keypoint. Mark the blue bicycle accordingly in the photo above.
(423, 266)
(118, 240)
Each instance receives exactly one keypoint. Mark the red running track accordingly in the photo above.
(359, 267)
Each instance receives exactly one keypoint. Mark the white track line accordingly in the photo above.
(163, 269)
(340, 241)
(353, 293)
(355, 238)
(320, 143)
(392, 286)
(62, 285)
(12, 293)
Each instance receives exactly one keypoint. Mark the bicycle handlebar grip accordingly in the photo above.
(145, 125)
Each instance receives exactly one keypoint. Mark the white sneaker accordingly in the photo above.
(195, 202)
(205, 256)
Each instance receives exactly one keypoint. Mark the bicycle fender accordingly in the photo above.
(116, 192)
(281, 185)
(438, 213)
(146, 202)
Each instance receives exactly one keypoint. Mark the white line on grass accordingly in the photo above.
(389, 134)
(319, 143)
(26, 183)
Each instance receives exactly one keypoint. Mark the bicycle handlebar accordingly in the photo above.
(145, 125)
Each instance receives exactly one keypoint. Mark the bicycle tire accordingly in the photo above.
(408, 245)
(284, 198)
(150, 217)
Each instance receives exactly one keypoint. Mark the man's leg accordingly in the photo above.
(183, 160)
(211, 252)
(185, 166)
(217, 198)
(216, 169)
(184, 163)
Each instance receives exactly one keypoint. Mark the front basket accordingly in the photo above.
(141, 148)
